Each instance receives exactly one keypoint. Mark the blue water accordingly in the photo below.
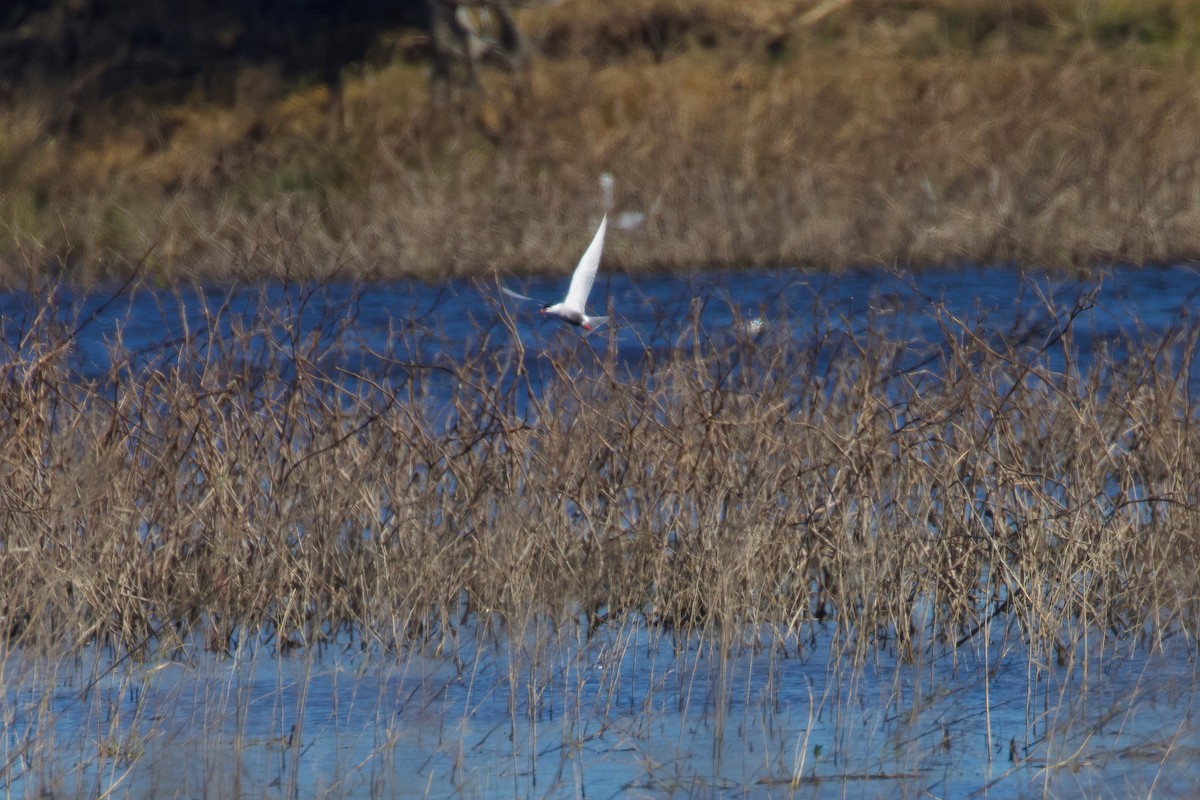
(626, 713)
(632, 711)
(368, 329)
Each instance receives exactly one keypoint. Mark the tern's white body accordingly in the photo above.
(572, 308)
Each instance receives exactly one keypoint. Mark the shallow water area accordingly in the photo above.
(379, 329)
(632, 711)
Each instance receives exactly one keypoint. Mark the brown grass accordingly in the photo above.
(717, 489)
(917, 132)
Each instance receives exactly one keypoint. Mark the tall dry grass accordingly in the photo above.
(1052, 131)
(239, 486)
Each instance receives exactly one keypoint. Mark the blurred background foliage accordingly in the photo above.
(428, 137)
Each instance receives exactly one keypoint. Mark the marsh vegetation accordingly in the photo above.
(987, 499)
(749, 133)
(254, 544)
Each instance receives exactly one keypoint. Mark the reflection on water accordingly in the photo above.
(632, 710)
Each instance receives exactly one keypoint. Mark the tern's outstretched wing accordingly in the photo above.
(585, 273)
(513, 294)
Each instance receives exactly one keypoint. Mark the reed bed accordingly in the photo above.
(620, 544)
(906, 497)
